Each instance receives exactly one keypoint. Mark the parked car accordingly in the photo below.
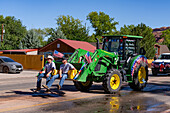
(8, 65)
(161, 65)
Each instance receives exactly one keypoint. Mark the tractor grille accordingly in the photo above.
(18, 66)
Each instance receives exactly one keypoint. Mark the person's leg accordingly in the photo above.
(49, 84)
(64, 76)
(39, 79)
(48, 79)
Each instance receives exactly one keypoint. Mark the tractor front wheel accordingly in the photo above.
(83, 86)
(140, 77)
(112, 81)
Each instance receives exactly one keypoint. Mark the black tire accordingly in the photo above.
(113, 77)
(138, 83)
(154, 73)
(5, 69)
(83, 86)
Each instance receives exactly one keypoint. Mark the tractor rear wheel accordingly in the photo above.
(140, 77)
(112, 81)
(83, 86)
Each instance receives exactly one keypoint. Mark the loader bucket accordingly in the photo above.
(71, 73)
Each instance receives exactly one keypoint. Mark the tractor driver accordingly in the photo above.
(63, 74)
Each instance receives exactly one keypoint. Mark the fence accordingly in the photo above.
(35, 62)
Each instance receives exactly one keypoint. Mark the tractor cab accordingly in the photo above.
(124, 46)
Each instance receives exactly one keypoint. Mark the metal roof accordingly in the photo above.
(20, 50)
(74, 44)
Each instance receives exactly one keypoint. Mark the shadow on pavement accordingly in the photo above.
(35, 94)
(162, 88)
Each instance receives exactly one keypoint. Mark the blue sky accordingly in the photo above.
(42, 13)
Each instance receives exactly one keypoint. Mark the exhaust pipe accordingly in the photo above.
(97, 44)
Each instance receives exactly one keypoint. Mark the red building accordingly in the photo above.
(67, 47)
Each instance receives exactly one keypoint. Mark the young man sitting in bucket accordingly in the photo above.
(49, 68)
(64, 68)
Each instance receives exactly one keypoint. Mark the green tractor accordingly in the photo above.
(120, 59)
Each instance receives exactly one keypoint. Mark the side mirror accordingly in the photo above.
(142, 51)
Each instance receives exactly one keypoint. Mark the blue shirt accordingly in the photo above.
(49, 67)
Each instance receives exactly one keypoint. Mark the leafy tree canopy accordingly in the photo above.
(31, 40)
(55, 34)
(41, 35)
(72, 28)
(148, 40)
(166, 36)
(14, 32)
(102, 23)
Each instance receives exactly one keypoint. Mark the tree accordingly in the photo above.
(54, 34)
(41, 35)
(102, 23)
(14, 32)
(73, 29)
(148, 40)
(166, 36)
(31, 40)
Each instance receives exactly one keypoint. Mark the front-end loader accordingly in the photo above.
(120, 59)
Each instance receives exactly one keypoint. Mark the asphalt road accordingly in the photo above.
(16, 97)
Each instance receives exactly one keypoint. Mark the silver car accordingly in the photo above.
(8, 65)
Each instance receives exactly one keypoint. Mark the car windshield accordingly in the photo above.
(164, 57)
(7, 60)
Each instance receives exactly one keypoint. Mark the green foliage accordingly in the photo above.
(102, 23)
(166, 36)
(41, 35)
(14, 32)
(148, 40)
(72, 28)
(31, 40)
(54, 34)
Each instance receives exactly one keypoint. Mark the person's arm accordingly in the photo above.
(48, 74)
(60, 73)
(52, 68)
(72, 67)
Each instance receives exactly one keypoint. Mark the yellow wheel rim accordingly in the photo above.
(115, 81)
(142, 74)
(85, 83)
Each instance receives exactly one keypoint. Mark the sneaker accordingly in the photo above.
(47, 91)
(58, 87)
(46, 87)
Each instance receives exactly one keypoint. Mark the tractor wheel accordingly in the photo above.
(83, 86)
(140, 77)
(112, 81)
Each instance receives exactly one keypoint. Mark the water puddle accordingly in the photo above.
(132, 103)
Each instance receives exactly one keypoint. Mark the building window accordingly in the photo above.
(58, 45)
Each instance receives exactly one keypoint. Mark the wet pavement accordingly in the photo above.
(155, 98)
(124, 102)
